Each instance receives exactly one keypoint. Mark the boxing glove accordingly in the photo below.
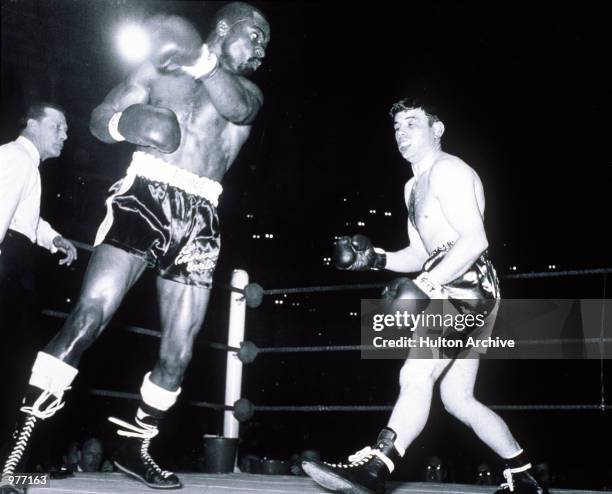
(403, 288)
(205, 66)
(403, 295)
(147, 125)
(357, 253)
(174, 42)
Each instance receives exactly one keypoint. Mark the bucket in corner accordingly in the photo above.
(219, 454)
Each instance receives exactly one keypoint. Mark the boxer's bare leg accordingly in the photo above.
(182, 311)
(457, 393)
(410, 413)
(110, 274)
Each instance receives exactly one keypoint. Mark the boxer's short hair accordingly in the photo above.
(236, 11)
(414, 103)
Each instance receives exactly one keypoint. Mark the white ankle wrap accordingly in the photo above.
(51, 374)
(155, 396)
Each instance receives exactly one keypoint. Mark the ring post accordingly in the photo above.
(235, 336)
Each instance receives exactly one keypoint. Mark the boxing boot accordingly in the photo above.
(518, 477)
(36, 405)
(133, 457)
(366, 471)
(49, 380)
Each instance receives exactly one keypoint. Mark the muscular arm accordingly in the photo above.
(453, 185)
(235, 98)
(130, 92)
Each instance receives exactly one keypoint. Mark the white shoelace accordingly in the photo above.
(509, 484)
(20, 446)
(145, 432)
(141, 431)
(50, 409)
(34, 412)
(362, 456)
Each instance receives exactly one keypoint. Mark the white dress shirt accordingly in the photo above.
(20, 193)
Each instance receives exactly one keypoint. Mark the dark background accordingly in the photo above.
(525, 96)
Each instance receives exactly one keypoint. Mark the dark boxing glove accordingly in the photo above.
(174, 41)
(357, 253)
(147, 125)
(403, 288)
(402, 294)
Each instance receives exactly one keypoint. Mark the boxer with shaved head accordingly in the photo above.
(188, 109)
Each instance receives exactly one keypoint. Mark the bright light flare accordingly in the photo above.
(133, 43)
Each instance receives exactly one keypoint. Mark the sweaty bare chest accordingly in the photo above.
(209, 142)
(189, 100)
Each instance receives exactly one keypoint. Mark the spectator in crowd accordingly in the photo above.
(435, 470)
(484, 475)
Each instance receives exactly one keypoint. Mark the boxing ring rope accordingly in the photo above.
(146, 332)
(362, 286)
(240, 351)
(365, 286)
(82, 245)
(134, 396)
(312, 349)
(372, 286)
(554, 274)
(388, 408)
